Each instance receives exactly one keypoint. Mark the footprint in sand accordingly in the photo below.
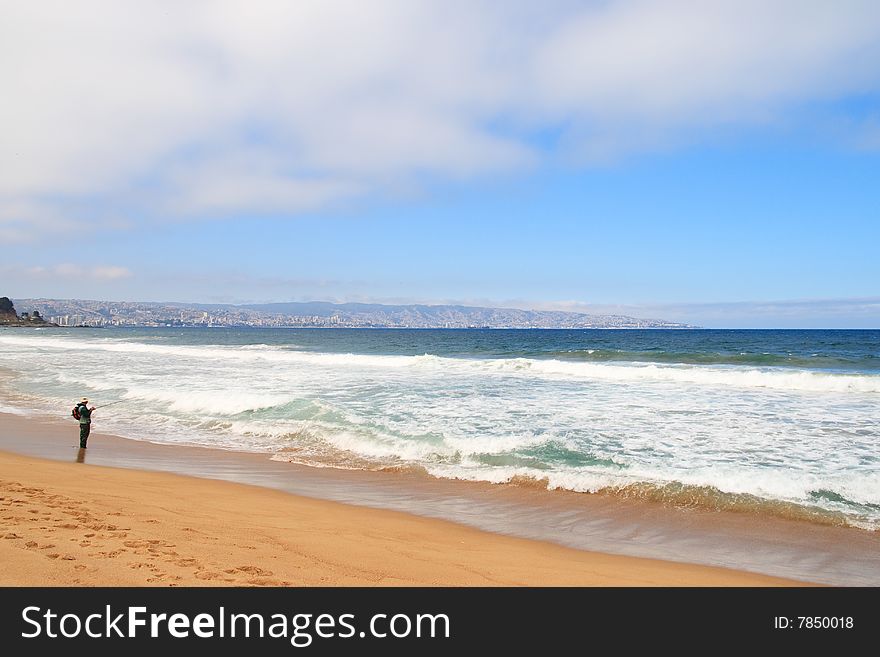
(109, 555)
(137, 565)
(208, 575)
(264, 581)
(250, 570)
(185, 563)
(150, 544)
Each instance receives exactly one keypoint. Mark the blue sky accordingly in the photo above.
(718, 164)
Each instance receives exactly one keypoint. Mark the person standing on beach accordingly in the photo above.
(85, 421)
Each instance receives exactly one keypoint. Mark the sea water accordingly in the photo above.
(781, 422)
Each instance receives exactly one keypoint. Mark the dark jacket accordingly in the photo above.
(85, 415)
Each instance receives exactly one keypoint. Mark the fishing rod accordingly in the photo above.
(111, 403)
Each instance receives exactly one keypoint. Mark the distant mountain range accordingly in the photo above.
(455, 315)
(76, 312)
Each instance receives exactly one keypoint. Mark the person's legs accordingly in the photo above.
(84, 430)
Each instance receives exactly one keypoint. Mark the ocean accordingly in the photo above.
(779, 422)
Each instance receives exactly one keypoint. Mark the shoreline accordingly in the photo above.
(827, 555)
(85, 525)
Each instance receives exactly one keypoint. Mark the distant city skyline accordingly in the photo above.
(715, 164)
(827, 313)
(96, 313)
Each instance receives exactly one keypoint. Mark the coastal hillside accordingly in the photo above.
(7, 311)
(80, 312)
(9, 317)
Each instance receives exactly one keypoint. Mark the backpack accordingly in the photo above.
(75, 412)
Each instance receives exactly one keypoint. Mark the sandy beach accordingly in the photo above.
(78, 524)
(71, 523)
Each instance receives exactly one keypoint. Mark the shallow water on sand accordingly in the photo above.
(763, 544)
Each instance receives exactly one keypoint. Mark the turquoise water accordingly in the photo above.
(780, 422)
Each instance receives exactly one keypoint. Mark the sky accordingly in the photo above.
(716, 163)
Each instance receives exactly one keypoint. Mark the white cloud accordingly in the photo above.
(202, 108)
(679, 60)
(109, 273)
(67, 271)
(249, 180)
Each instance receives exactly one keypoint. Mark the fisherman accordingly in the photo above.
(85, 421)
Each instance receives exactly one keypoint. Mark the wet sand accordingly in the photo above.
(310, 541)
(78, 524)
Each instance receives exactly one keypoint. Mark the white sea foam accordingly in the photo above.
(799, 488)
(219, 402)
(712, 375)
(781, 434)
(495, 444)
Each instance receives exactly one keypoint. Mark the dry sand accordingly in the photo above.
(79, 524)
